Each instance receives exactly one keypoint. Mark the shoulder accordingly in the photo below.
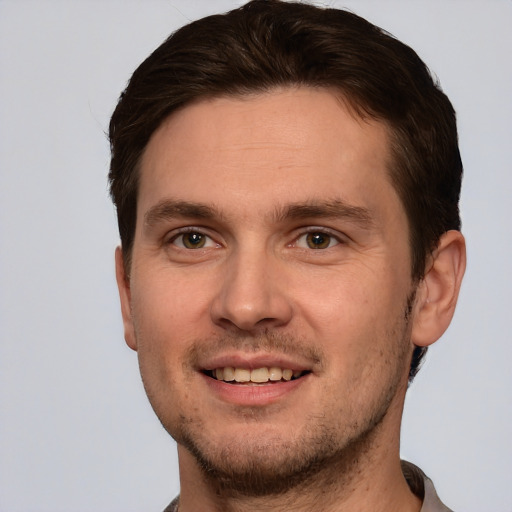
(173, 506)
(423, 487)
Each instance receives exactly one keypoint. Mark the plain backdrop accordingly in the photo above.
(76, 431)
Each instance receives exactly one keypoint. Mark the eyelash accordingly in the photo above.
(187, 231)
(322, 232)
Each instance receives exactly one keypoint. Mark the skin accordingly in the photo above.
(251, 178)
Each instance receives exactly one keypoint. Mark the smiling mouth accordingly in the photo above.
(256, 376)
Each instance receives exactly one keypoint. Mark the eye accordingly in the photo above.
(316, 240)
(193, 240)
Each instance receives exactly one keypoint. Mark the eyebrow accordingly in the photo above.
(335, 209)
(169, 209)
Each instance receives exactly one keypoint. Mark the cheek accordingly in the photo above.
(155, 319)
(168, 305)
(169, 314)
(348, 298)
(159, 349)
(357, 318)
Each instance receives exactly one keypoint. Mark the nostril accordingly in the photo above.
(267, 320)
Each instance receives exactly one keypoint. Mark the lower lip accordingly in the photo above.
(253, 395)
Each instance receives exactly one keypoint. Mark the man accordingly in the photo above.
(287, 181)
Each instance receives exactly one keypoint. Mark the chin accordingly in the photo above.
(263, 464)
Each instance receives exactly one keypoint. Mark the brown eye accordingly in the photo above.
(193, 240)
(318, 240)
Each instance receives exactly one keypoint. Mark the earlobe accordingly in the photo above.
(123, 285)
(438, 291)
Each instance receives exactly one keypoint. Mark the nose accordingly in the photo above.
(252, 295)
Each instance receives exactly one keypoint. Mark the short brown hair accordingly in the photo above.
(267, 44)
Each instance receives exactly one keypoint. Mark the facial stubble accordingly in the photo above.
(322, 454)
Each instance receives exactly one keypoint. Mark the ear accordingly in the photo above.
(123, 285)
(438, 291)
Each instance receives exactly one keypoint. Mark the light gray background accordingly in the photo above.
(76, 431)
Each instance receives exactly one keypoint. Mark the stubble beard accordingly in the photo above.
(273, 467)
(323, 455)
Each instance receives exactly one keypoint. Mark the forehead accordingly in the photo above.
(287, 145)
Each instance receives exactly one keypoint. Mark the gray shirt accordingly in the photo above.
(422, 486)
(419, 483)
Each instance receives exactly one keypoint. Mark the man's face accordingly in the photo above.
(269, 239)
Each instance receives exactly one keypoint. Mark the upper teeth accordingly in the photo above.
(259, 375)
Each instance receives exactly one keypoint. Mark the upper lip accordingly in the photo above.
(253, 361)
